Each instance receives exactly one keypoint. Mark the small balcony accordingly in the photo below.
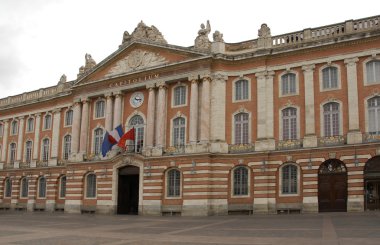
(371, 137)
(24, 165)
(289, 144)
(41, 164)
(172, 150)
(331, 140)
(241, 148)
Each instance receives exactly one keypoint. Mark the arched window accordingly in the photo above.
(241, 90)
(8, 187)
(288, 84)
(174, 183)
(374, 115)
(45, 150)
(98, 141)
(179, 132)
(91, 186)
(241, 122)
(28, 151)
(179, 95)
(373, 71)
(289, 123)
(99, 108)
(47, 121)
(42, 187)
(14, 127)
(330, 77)
(62, 187)
(12, 152)
(137, 122)
(24, 187)
(66, 147)
(331, 119)
(69, 118)
(30, 125)
(240, 175)
(289, 179)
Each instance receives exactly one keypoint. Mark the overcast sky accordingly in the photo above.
(42, 39)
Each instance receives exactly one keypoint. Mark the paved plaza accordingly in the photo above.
(60, 229)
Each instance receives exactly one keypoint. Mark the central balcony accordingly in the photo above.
(289, 144)
(241, 148)
(331, 140)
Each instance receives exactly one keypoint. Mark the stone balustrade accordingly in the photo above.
(241, 148)
(332, 140)
(289, 144)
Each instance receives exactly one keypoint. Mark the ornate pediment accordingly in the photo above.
(136, 60)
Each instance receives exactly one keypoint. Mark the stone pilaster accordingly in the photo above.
(84, 127)
(36, 143)
(20, 140)
(75, 129)
(150, 116)
(118, 110)
(310, 139)
(5, 140)
(261, 106)
(55, 137)
(108, 121)
(205, 111)
(193, 130)
(269, 105)
(218, 113)
(354, 135)
(161, 118)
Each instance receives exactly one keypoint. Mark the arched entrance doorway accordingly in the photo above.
(128, 190)
(332, 186)
(372, 183)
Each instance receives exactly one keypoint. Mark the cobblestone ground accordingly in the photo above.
(61, 229)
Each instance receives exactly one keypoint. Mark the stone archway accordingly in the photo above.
(372, 183)
(332, 186)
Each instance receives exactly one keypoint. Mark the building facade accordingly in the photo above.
(274, 124)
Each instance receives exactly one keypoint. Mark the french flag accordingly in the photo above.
(111, 139)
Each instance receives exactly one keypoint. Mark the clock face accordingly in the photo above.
(136, 99)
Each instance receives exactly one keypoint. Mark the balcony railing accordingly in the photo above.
(241, 148)
(24, 165)
(289, 144)
(41, 164)
(331, 140)
(178, 149)
(371, 137)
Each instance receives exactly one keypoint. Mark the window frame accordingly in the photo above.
(234, 127)
(67, 119)
(139, 131)
(26, 151)
(29, 129)
(179, 127)
(94, 141)
(14, 127)
(167, 184)
(281, 180)
(8, 188)
(47, 153)
(365, 71)
(234, 89)
(97, 102)
(24, 182)
(1, 129)
(281, 122)
(321, 81)
(66, 150)
(367, 119)
(39, 189)
(296, 82)
(12, 152)
(322, 118)
(47, 125)
(233, 194)
(87, 191)
(61, 189)
(186, 94)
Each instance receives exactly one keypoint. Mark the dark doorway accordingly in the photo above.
(128, 190)
(332, 186)
(372, 183)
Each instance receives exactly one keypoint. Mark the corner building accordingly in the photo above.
(287, 123)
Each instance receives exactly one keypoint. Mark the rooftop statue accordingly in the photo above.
(145, 33)
(202, 42)
(63, 79)
(264, 31)
(218, 37)
(89, 64)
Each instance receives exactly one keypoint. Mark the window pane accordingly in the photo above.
(99, 109)
(179, 132)
(98, 141)
(62, 190)
(240, 181)
(42, 187)
(180, 95)
(28, 151)
(289, 179)
(91, 186)
(45, 150)
(8, 188)
(66, 147)
(24, 187)
(174, 183)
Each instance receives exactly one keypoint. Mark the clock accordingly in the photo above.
(136, 99)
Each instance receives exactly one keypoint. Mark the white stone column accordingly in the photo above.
(310, 139)
(118, 112)
(5, 140)
(261, 106)
(84, 127)
(20, 139)
(354, 135)
(205, 111)
(193, 130)
(218, 113)
(161, 115)
(150, 120)
(75, 129)
(269, 105)
(36, 143)
(108, 122)
(55, 137)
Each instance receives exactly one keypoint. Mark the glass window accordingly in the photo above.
(62, 187)
(179, 95)
(91, 185)
(98, 141)
(14, 127)
(288, 84)
(374, 115)
(47, 122)
(30, 125)
(137, 122)
(24, 187)
(179, 132)
(69, 118)
(289, 124)
(240, 181)
(66, 147)
(28, 151)
(241, 90)
(99, 108)
(45, 150)
(241, 128)
(8, 188)
(174, 183)
(1, 129)
(331, 119)
(12, 153)
(373, 71)
(330, 77)
(42, 187)
(289, 179)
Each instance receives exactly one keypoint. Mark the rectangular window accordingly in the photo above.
(47, 122)
(28, 152)
(91, 186)
(42, 188)
(1, 130)
(69, 118)
(62, 190)
(99, 109)
(24, 187)
(180, 95)
(241, 90)
(288, 84)
(30, 125)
